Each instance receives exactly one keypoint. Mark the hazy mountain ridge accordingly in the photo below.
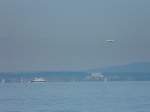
(128, 72)
(128, 68)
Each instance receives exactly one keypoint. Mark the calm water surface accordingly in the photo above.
(75, 97)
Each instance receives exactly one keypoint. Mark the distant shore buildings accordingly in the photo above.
(95, 77)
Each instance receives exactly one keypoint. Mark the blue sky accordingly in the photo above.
(70, 34)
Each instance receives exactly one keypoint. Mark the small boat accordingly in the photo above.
(38, 80)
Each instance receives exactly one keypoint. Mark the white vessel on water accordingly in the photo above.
(36, 79)
(96, 77)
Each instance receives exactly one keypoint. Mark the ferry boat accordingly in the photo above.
(38, 80)
(96, 77)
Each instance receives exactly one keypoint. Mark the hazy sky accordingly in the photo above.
(70, 34)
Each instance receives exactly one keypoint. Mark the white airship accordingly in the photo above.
(110, 41)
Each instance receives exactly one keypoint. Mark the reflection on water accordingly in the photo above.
(75, 97)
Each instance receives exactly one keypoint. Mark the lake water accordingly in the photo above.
(75, 97)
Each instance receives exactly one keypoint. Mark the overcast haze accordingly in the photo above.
(40, 35)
